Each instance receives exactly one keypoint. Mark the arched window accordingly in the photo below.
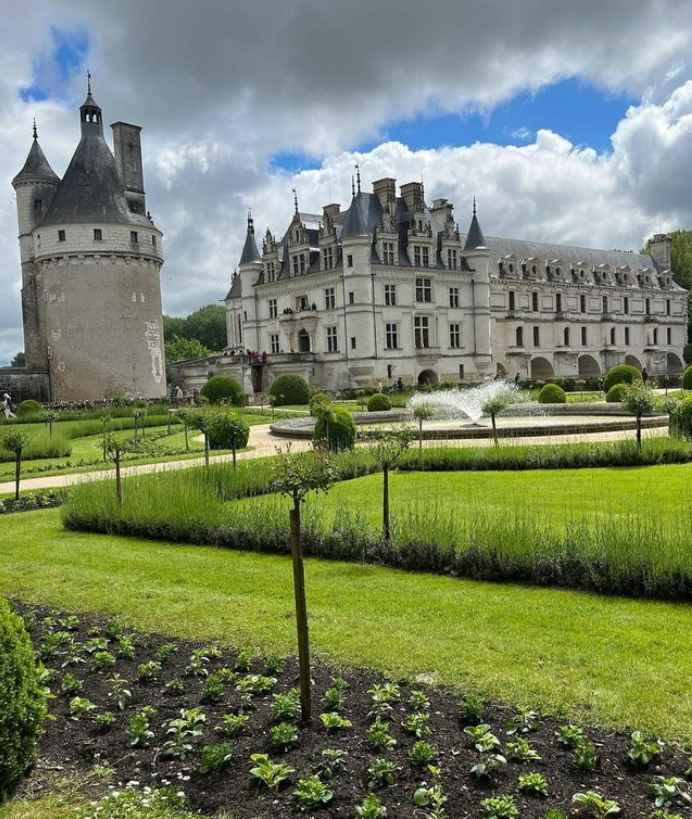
(612, 336)
(566, 336)
(520, 336)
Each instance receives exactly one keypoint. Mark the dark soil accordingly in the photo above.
(78, 745)
(29, 503)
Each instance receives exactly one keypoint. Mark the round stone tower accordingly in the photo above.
(93, 258)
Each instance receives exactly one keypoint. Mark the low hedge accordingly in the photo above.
(28, 407)
(621, 374)
(616, 394)
(22, 704)
(290, 389)
(379, 402)
(223, 389)
(552, 394)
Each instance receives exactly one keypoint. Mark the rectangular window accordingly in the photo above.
(61, 235)
(558, 302)
(274, 342)
(626, 307)
(424, 290)
(461, 372)
(134, 236)
(273, 308)
(512, 300)
(328, 258)
(421, 332)
(349, 260)
(332, 343)
(453, 296)
(583, 336)
(426, 256)
(296, 266)
(353, 342)
(153, 241)
(669, 336)
(534, 302)
(389, 370)
(390, 295)
(391, 336)
(582, 303)
(416, 255)
(330, 298)
(388, 252)
(536, 337)
(351, 297)
(38, 204)
(451, 258)
(455, 336)
(648, 307)
(605, 304)
(98, 235)
(627, 336)
(667, 307)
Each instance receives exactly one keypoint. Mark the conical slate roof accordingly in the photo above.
(36, 167)
(475, 236)
(250, 250)
(91, 190)
(355, 224)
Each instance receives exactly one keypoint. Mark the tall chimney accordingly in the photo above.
(128, 161)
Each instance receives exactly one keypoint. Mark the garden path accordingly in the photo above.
(264, 444)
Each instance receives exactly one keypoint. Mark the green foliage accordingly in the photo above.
(283, 735)
(306, 472)
(472, 709)
(534, 784)
(584, 753)
(19, 360)
(616, 394)
(227, 430)
(669, 790)
(639, 400)
(621, 374)
(312, 793)
(597, 805)
(382, 774)
(28, 407)
(22, 704)
(333, 722)
(80, 707)
(379, 736)
(570, 735)
(336, 428)
(270, 773)
(139, 731)
(371, 808)
(521, 750)
(234, 724)
(207, 326)
(552, 394)
(105, 721)
(422, 754)
(130, 803)
(500, 807)
(379, 402)
(687, 379)
(644, 750)
(290, 389)
(215, 758)
(185, 349)
(14, 441)
(318, 403)
(286, 706)
(223, 389)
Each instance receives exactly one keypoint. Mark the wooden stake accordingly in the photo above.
(301, 615)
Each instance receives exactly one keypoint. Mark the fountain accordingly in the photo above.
(469, 403)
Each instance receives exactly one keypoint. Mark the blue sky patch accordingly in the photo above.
(53, 71)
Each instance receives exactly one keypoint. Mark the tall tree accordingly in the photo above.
(208, 325)
(19, 360)
(182, 349)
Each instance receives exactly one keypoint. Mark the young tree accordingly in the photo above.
(49, 417)
(639, 400)
(16, 442)
(113, 449)
(493, 407)
(199, 419)
(106, 429)
(139, 415)
(295, 476)
(387, 449)
(422, 412)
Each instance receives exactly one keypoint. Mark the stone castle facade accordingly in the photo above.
(91, 258)
(391, 289)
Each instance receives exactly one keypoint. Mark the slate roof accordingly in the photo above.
(474, 238)
(250, 250)
(36, 167)
(91, 190)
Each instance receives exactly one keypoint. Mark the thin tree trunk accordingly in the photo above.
(187, 443)
(118, 479)
(206, 448)
(234, 453)
(495, 438)
(385, 504)
(301, 615)
(17, 474)
(420, 441)
(639, 432)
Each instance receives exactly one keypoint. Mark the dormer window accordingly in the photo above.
(451, 258)
(328, 258)
(388, 252)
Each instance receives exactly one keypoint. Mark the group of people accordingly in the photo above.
(6, 406)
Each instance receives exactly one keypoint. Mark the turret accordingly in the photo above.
(478, 257)
(90, 115)
(249, 271)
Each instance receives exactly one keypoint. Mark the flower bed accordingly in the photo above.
(162, 712)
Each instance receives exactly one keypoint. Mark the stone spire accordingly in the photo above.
(474, 238)
(36, 168)
(250, 252)
(90, 114)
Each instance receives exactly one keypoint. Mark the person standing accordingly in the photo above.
(645, 375)
(7, 406)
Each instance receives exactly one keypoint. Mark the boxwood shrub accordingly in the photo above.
(616, 394)
(336, 428)
(621, 374)
(22, 704)
(290, 389)
(552, 394)
(682, 417)
(379, 402)
(318, 402)
(28, 407)
(227, 430)
(223, 389)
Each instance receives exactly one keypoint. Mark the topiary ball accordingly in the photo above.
(687, 379)
(552, 394)
(379, 402)
(319, 402)
(290, 389)
(22, 704)
(621, 374)
(227, 430)
(616, 394)
(339, 425)
(28, 407)
(223, 389)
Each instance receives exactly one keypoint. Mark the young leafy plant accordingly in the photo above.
(534, 784)
(312, 793)
(105, 721)
(500, 807)
(419, 701)
(382, 774)
(371, 808)
(584, 753)
(379, 736)
(70, 684)
(335, 722)
(139, 731)
(80, 708)
(283, 735)
(332, 762)
(213, 689)
(417, 724)
(233, 724)
(488, 766)
(174, 687)
(570, 735)
(215, 758)
(286, 707)
(521, 750)
(422, 754)
(120, 692)
(643, 750)
(597, 805)
(668, 790)
(525, 721)
(270, 773)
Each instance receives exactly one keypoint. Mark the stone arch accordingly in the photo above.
(541, 369)
(427, 378)
(303, 341)
(633, 361)
(674, 365)
(501, 369)
(589, 367)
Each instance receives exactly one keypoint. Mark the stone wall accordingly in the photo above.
(22, 384)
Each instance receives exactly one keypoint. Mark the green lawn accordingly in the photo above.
(608, 661)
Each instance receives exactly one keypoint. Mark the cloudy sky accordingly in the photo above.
(568, 121)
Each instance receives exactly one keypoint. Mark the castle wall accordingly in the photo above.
(22, 383)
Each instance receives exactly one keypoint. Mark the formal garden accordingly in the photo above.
(377, 625)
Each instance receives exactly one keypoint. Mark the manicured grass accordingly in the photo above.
(608, 661)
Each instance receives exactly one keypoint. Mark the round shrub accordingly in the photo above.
(290, 389)
(22, 706)
(616, 394)
(379, 402)
(552, 394)
(28, 407)
(223, 389)
(319, 402)
(621, 374)
(339, 425)
(227, 430)
(687, 379)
